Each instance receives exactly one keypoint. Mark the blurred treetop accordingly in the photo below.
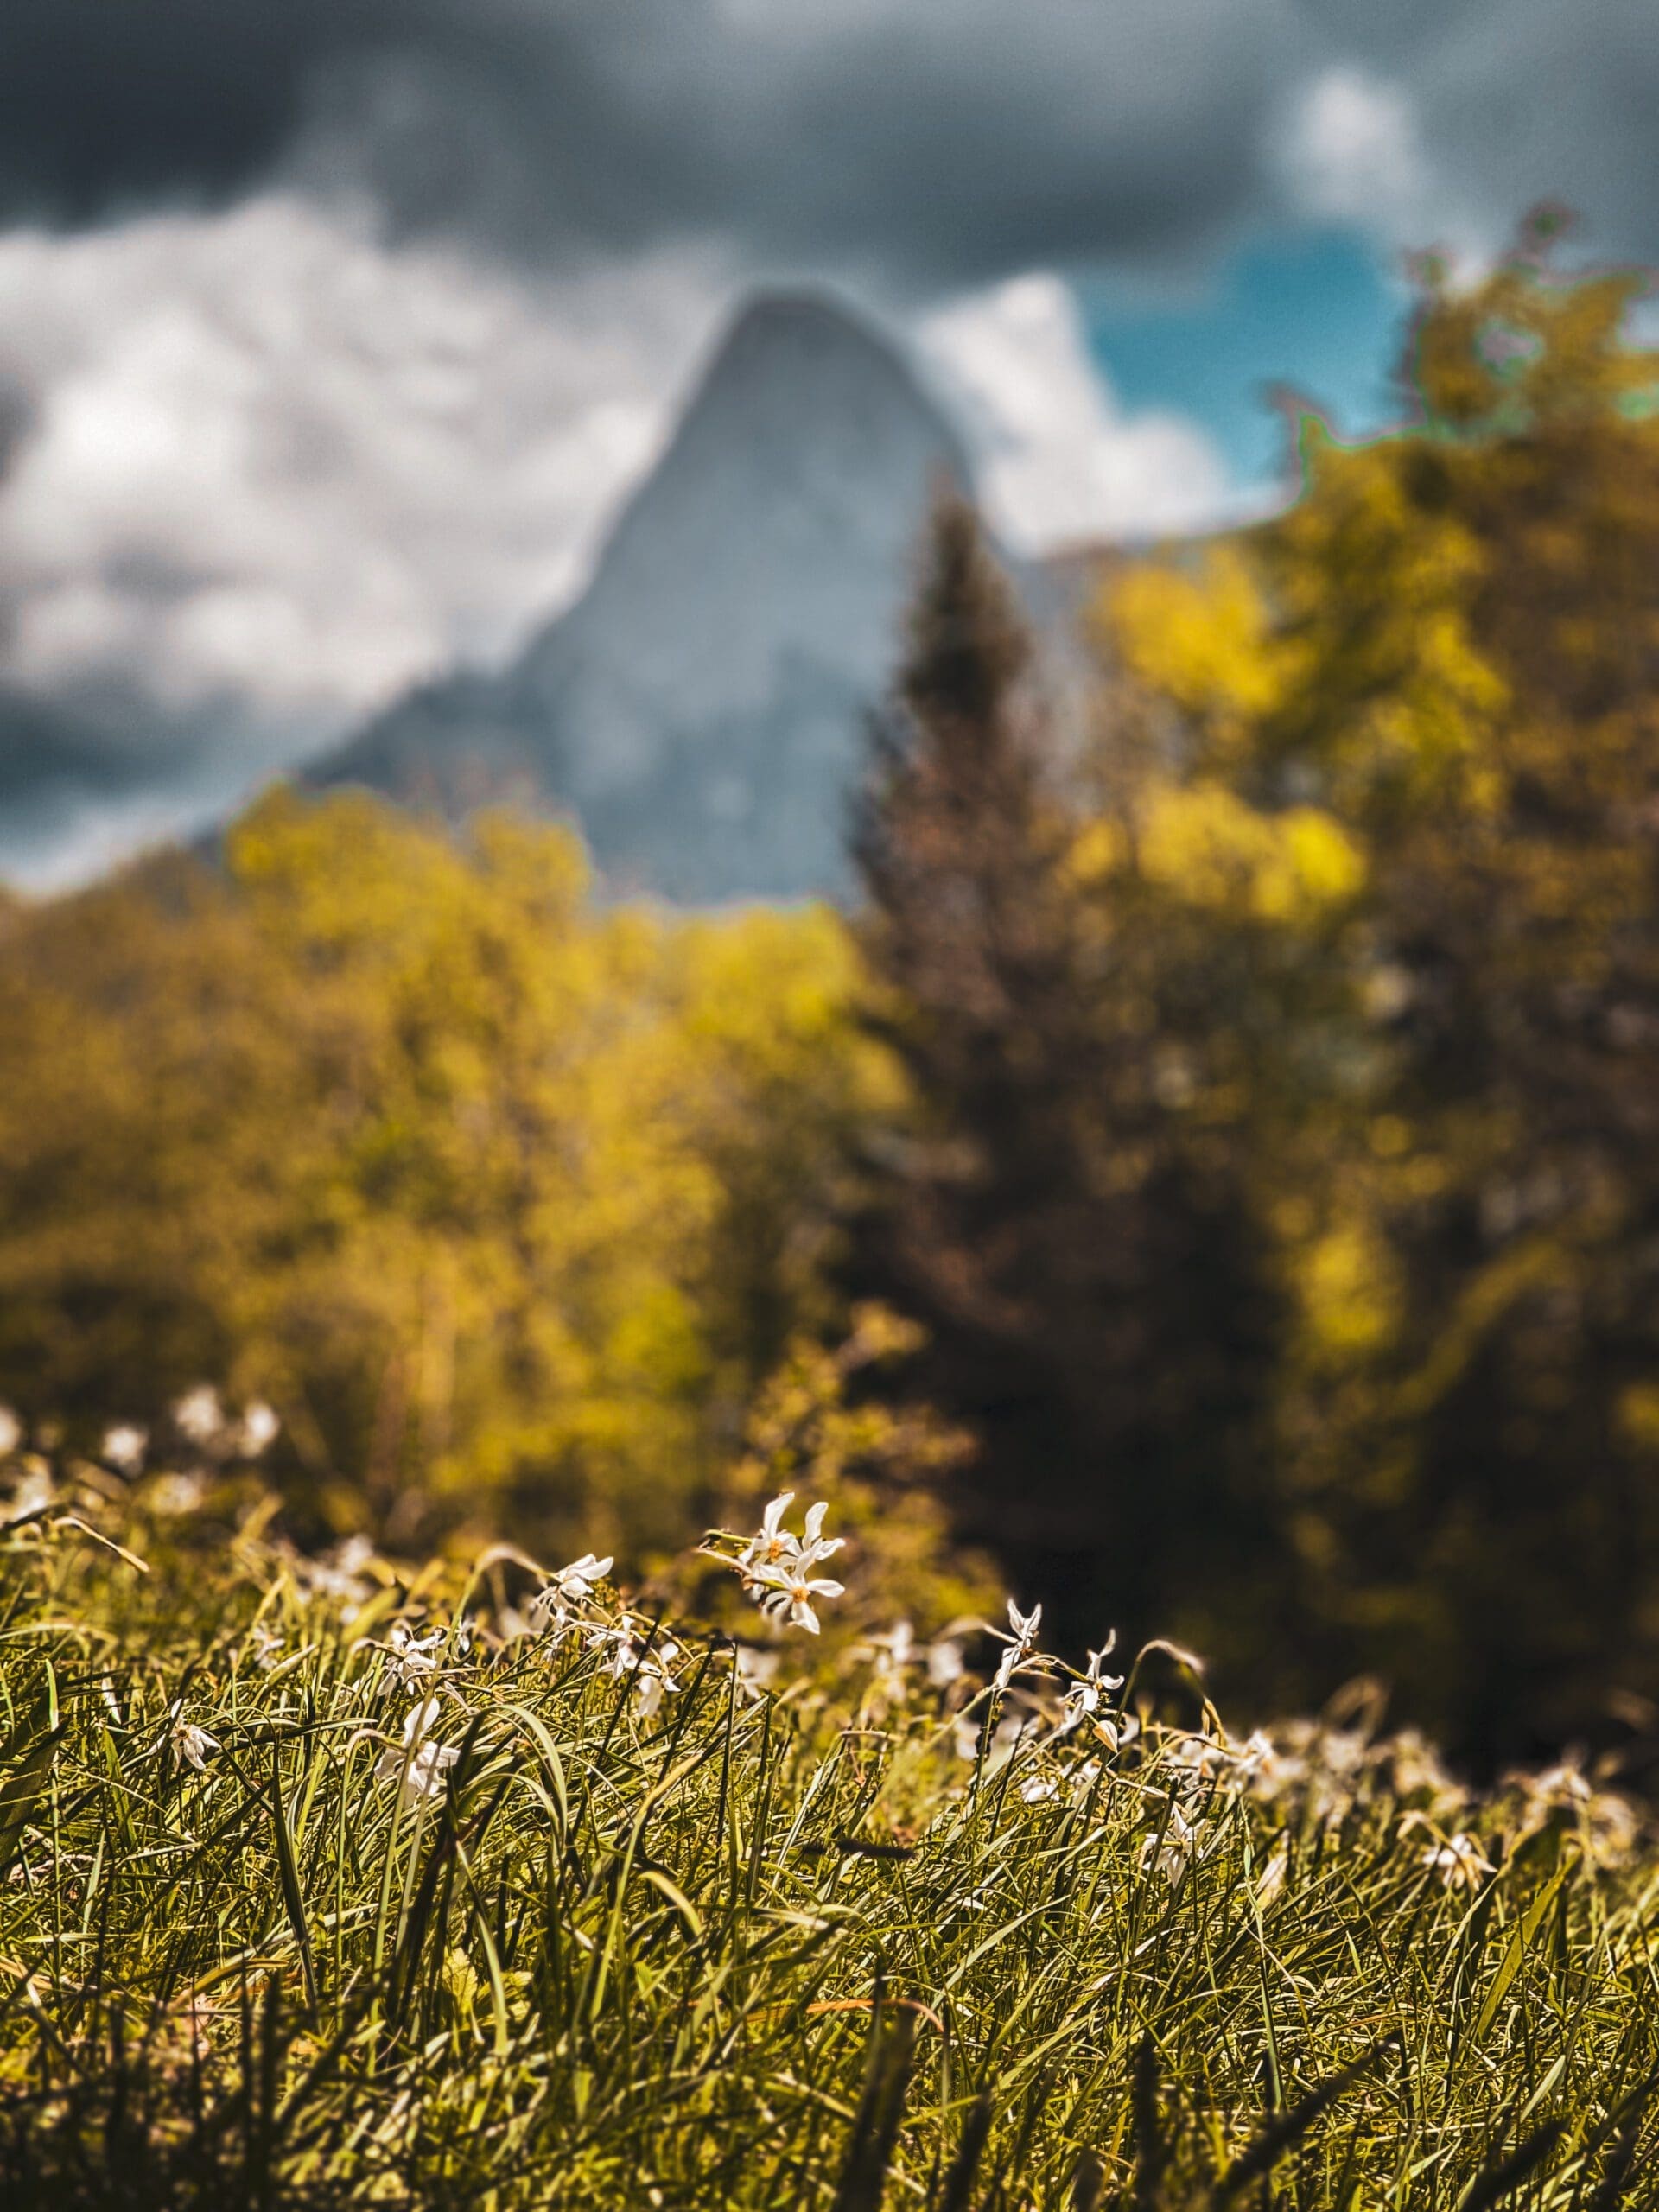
(490, 1191)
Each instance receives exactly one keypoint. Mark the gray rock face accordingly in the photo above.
(700, 710)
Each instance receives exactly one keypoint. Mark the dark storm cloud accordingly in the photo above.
(937, 144)
(107, 745)
(928, 141)
(56, 770)
(945, 139)
(43, 749)
(1517, 100)
(913, 148)
(103, 104)
(74, 771)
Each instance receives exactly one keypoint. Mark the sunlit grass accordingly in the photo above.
(336, 1882)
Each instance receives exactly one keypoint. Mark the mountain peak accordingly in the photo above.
(800, 387)
(803, 321)
(701, 708)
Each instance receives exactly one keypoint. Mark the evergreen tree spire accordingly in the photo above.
(1081, 1281)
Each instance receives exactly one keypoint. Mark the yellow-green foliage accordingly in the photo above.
(492, 1190)
(1385, 839)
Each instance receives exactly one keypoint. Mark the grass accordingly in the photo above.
(495, 1923)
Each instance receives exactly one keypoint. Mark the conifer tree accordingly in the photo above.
(1083, 1274)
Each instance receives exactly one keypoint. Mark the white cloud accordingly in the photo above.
(1351, 148)
(1060, 460)
(275, 463)
(273, 467)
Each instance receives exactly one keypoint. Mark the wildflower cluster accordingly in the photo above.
(776, 1565)
(200, 1420)
(555, 1933)
(567, 1612)
(560, 1608)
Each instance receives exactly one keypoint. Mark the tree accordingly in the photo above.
(1076, 1253)
(1449, 646)
(506, 1201)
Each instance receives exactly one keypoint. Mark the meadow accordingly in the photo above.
(333, 1879)
(1206, 1184)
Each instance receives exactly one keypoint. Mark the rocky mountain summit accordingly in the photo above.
(700, 709)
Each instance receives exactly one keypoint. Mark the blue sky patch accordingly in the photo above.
(1321, 310)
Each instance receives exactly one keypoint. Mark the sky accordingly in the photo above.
(331, 333)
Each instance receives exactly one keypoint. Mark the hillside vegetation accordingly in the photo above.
(505, 1199)
(328, 1881)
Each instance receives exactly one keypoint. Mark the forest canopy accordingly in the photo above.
(504, 1199)
(1285, 1212)
(1248, 1113)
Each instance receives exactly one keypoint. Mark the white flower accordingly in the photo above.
(1085, 1700)
(1197, 1761)
(262, 1645)
(652, 1683)
(576, 1583)
(1083, 1780)
(1173, 1846)
(1019, 1644)
(755, 1670)
(189, 1745)
(898, 1643)
(965, 1736)
(1606, 1823)
(1415, 1770)
(411, 1656)
(625, 1637)
(1264, 1769)
(1010, 1733)
(633, 1643)
(123, 1448)
(200, 1416)
(571, 1586)
(549, 1618)
(1559, 1785)
(1038, 1789)
(944, 1663)
(772, 1543)
(420, 1767)
(776, 1564)
(1340, 1750)
(339, 1576)
(892, 1654)
(815, 1545)
(1458, 1862)
(259, 1429)
(354, 1555)
(173, 1495)
(633, 1654)
(790, 1591)
(30, 1495)
(423, 1777)
(1610, 1828)
(11, 1431)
